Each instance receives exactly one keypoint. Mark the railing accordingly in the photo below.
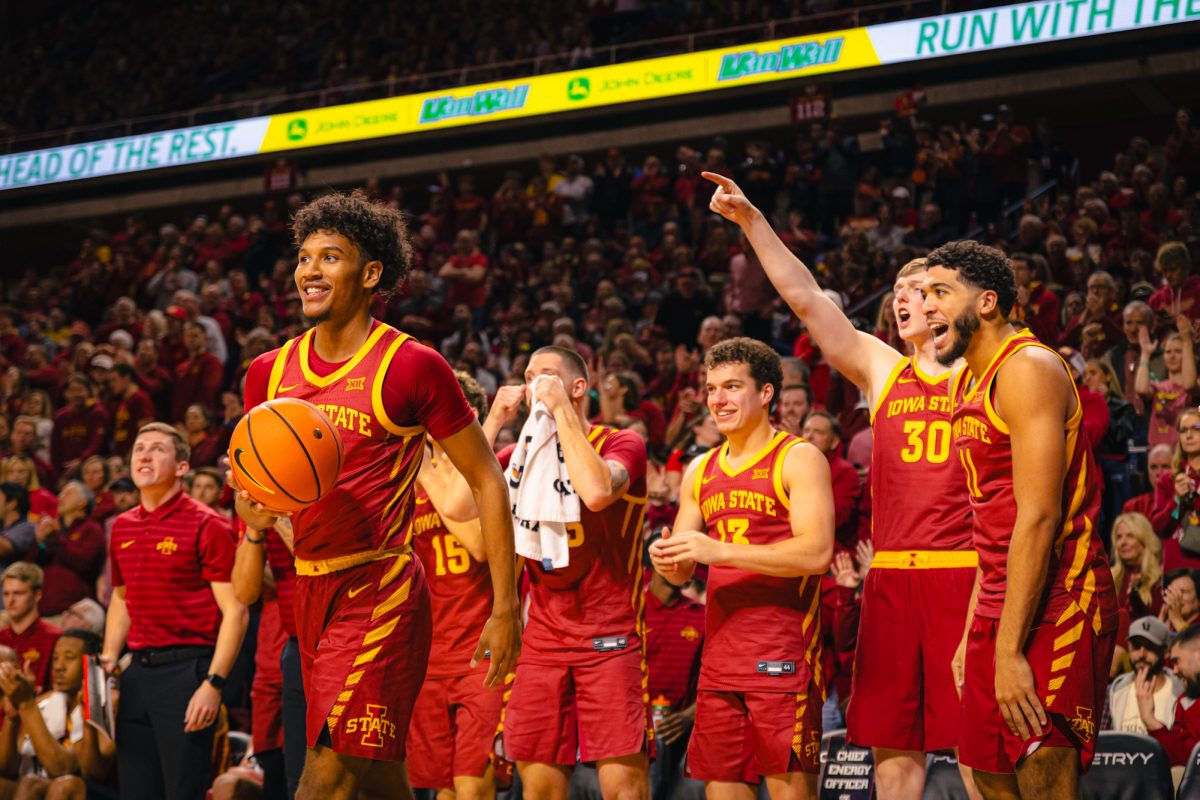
(364, 90)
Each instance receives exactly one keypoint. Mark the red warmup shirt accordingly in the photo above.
(1179, 739)
(1078, 573)
(34, 648)
(197, 381)
(752, 618)
(77, 434)
(674, 640)
(127, 417)
(599, 594)
(166, 559)
(473, 294)
(382, 402)
(847, 491)
(72, 563)
(460, 592)
(283, 568)
(1187, 298)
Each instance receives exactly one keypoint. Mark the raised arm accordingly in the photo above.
(598, 482)
(861, 357)
(1036, 423)
(1141, 379)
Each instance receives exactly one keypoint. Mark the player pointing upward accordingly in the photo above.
(362, 604)
(903, 703)
(1038, 649)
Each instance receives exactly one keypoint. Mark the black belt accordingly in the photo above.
(161, 656)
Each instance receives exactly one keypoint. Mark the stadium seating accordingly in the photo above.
(1128, 766)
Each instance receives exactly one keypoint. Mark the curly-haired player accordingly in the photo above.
(1035, 654)
(362, 603)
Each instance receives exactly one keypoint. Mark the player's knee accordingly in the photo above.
(328, 774)
(1049, 772)
(899, 775)
(543, 781)
(628, 781)
(995, 786)
(473, 789)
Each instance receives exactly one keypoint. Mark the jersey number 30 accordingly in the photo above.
(929, 441)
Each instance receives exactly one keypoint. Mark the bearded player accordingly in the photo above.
(903, 703)
(362, 603)
(1039, 644)
(456, 715)
(759, 511)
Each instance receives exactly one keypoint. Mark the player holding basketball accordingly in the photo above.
(581, 681)
(361, 598)
(455, 719)
(1038, 648)
(903, 702)
(759, 512)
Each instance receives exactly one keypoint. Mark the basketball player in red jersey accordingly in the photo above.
(456, 716)
(1038, 648)
(759, 512)
(362, 603)
(581, 680)
(903, 703)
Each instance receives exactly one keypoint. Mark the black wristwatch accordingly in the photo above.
(216, 680)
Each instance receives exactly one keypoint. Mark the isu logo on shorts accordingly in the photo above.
(167, 546)
(356, 384)
(762, 474)
(374, 726)
(1083, 724)
(690, 633)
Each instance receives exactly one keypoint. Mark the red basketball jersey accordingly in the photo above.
(381, 401)
(761, 633)
(1078, 574)
(917, 500)
(581, 612)
(460, 592)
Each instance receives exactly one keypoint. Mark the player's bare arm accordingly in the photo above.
(447, 488)
(599, 483)
(1035, 420)
(678, 569)
(808, 552)
(116, 630)
(472, 456)
(861, 357)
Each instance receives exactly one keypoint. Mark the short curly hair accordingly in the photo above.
(980, 266)
(380, 233)
(476, 396)
(764, 363)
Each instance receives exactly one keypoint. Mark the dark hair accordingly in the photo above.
(834, 425)
(764, 363)
(83, 380)
(980, 266)
(803, 387)
(1187, 636)
(92, 644)
(125, 371)
(573, 361)
(18, 493)
(380, 233)
(210, 472)
(1181, 572)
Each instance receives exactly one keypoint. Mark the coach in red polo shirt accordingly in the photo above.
(30, 636)
(175, 608)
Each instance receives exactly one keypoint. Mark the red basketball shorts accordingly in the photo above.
(903, 695)
(453, 727)
(364, 636)
(1070, 664)
(740, 736)
(600, 710)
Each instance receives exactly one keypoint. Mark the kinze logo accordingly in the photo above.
(480, 104)
(374, 726)
(786, 59)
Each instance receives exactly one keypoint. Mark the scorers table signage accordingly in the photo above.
(847, 772)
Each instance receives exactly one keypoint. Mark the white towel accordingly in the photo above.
(543, 499)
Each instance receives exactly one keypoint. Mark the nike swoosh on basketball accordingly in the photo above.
(282, 389)
(127, 544)
(354, 592)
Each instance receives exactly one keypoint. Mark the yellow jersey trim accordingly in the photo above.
(777, 474)
(698, 478)
(892, 377)
(277, 369)
(326, 565)
(317, 380)
(377, 391)
(727, 468)
(925, 559)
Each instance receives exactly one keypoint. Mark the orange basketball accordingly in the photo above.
(286, 454)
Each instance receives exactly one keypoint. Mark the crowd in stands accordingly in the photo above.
(207, 54)
(623, 262)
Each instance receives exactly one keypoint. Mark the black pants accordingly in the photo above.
(156, 760)
(295, 744)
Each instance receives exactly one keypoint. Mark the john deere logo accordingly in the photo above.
(578, 88)
(297, 129)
